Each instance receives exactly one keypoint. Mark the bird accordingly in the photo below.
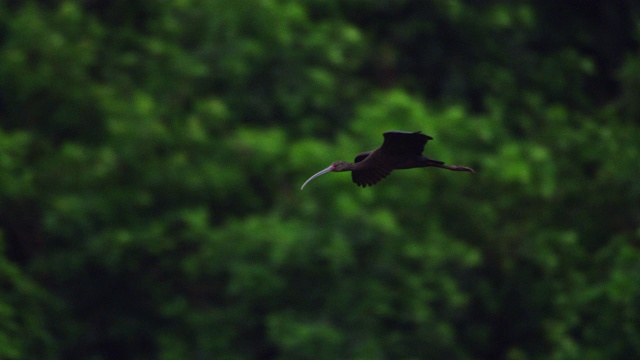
(399, 150)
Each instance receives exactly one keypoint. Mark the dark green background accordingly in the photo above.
(151, 155)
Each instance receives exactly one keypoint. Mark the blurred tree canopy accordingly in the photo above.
(151, 155)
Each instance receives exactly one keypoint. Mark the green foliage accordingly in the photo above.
(151, 156)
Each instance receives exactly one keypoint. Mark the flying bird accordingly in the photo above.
(400, 150)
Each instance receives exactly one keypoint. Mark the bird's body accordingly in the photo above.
(400, 150)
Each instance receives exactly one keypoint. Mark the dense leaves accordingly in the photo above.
(151, 156)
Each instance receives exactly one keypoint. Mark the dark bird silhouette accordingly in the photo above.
(400, 150)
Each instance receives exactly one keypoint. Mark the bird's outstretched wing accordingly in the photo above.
(403, 143)
(362, 156)
(369, 176)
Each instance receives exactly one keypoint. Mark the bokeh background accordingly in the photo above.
(151, 155)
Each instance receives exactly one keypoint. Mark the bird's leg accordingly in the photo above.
(454, 167)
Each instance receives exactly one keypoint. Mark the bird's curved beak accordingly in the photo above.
(322, 172)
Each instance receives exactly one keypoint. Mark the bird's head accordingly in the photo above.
(337, 166)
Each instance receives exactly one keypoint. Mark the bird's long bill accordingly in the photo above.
(322, 172)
